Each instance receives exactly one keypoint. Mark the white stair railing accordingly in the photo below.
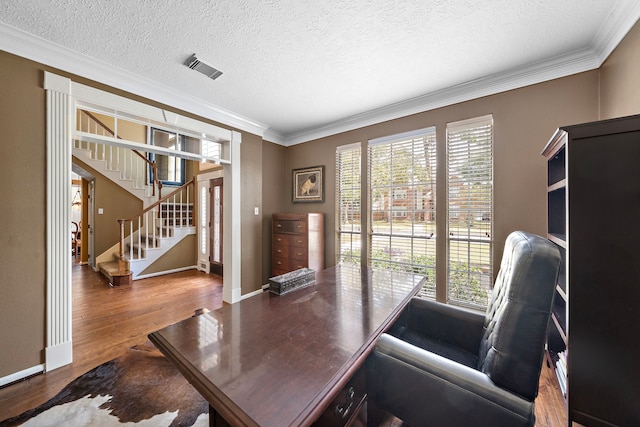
(142, 232)
(131, 164)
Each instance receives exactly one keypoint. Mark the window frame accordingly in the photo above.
(473, 266)
(349, 152)
(413, 241)
(152, 157)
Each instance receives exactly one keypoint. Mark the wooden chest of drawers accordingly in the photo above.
(297, 241)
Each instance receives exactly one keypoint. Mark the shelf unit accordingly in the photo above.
(555, 152)
(593, 215)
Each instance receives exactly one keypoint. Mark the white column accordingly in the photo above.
(59, 350)
(231, 289)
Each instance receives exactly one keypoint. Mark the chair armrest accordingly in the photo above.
(437, 391)
(457, 326)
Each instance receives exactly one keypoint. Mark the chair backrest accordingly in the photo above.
(517, 319)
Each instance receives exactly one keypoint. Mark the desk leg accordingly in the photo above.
(215, 420)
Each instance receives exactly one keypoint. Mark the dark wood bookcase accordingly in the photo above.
(297, 241)
(593, 205)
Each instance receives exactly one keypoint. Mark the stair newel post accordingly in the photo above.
(121, 262)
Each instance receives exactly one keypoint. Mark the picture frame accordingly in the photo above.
(308, 184)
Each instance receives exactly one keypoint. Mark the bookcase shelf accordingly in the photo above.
(593, 206)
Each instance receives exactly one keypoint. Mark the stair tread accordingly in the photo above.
(112, 268)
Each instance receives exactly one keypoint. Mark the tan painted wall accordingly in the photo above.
(276, 196)
(181, 255)
(620, 78)
(524, 120)
(251, 224)
(106, 228)
(22, 227)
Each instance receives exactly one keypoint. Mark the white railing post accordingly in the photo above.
(131, 240)
(139, 238)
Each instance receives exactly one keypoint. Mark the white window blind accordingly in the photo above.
(348, 189)
(402, 189)
(470, 210)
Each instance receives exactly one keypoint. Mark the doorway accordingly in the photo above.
(215, 226)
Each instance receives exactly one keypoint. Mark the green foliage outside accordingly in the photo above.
(464, 283)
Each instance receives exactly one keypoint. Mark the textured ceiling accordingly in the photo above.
(294, 66)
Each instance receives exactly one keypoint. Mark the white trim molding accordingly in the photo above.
(62, 96)
(38, 49)
(614, 29)
(232, 232)
(17, 376)
(59, 349)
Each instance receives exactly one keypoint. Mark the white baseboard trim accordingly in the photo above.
(58, 355)
(252, 294)
(162, 273)
(21, 374)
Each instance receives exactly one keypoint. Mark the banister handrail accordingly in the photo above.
(164, 199)
(152, 164)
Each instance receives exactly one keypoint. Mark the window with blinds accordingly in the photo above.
(348, 188)
(402, 189)
(470, 210)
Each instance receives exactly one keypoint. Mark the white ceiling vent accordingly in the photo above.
(196, 64)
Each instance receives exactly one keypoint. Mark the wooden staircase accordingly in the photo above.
(151, 234)
(163, 223)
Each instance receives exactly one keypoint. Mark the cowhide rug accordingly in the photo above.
(140, 388)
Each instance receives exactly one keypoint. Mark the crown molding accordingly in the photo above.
(624, 16)
(40, 50)
(613, 30)
(561, 66)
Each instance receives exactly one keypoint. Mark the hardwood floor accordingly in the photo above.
(107, 321)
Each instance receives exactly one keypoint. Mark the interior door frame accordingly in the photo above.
(62, 96)
(204, 215)
(216, 267)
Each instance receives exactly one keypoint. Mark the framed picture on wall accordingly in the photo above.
(308, 184)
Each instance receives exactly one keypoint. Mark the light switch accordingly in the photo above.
(100, 211)
(256, 211)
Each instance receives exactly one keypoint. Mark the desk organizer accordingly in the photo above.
(291, 281)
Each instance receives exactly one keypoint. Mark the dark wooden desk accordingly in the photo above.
(280, 360)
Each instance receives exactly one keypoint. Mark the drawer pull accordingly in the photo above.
(299, 226)
(279, 225)
(343, 410)
(279, 262)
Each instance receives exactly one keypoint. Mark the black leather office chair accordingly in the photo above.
(442, 365)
